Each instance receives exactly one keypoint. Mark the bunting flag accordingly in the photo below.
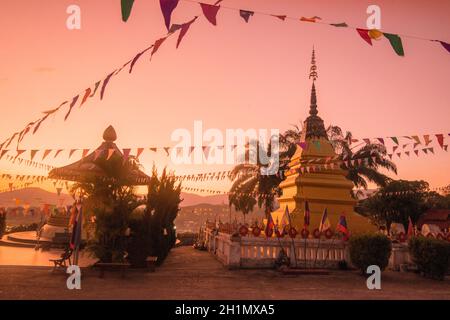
(364, 33)
(445, 45)
(396, 43)
(139, 152)
(426, 139)
(184, 29)
(97, 84)
(210, 12)
(395, 139)
(136, 58)
(72, 152)
(312, 19)
(32, 154)
(97, 153)
(375, 34)
(339, 25)
(84, 153)
(87, 93)
(156, 45)
(46, 153)
(57, 152)
(246, 14)
(127, 6)
(105, 83)
(167, 7)
(74, 100)
(440, 139)
(281, 17)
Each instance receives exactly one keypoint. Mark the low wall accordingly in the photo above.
(260, 252)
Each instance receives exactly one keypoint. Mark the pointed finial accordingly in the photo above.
(313, 69)
(109, 135)
(313, 106)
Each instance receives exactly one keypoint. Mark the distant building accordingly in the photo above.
(439, 217)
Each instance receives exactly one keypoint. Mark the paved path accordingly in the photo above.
(192, 274)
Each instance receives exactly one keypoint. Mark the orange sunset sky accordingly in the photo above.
(234, 75)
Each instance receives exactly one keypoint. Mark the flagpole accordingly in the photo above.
(328, 251)
(304, 251)
(292, 239)
(317, 249)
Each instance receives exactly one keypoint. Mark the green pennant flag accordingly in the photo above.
(396, 43)
(127, 5)
(395, 139)
(341, 25)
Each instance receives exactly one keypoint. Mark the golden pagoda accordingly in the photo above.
(325, 188)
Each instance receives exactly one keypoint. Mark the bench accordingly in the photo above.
(61, 262)
(151, 263)
(122, 266)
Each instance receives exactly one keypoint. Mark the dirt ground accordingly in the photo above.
(192, 274)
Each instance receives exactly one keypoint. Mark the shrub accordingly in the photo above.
(370, 249)
(431, 256)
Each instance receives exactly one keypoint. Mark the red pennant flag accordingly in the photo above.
(425, 151)
(184, 29)
(381, 140)
(85, 152)
(153, 149)
(364, 33)
(431, 150)
(156, 46)
(126, 153)
(367, 141)
(74, 100)
(407, 153)
(445, 45)
(97, 84)
(440, 139)
(394, 148)
(139, 152)
(167, 7)
(136, 58)
(210, 12)
(105, 83)
(87, 93)
(427, 139)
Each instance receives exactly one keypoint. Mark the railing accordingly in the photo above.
(261, 252)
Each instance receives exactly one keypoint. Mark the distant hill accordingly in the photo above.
(32, 197)
(191, 199)
(38, 196)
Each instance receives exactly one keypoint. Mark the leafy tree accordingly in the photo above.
(398, 201)
(367, 170)
(108, 202)
(163, 204)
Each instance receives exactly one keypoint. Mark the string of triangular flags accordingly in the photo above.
(210, 12)
(167, 7)
(397, 141)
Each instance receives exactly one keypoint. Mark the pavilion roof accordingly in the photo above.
(90, 165)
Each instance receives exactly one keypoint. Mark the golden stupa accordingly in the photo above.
(325, 188)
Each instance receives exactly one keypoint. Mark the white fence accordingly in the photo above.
(260, 252)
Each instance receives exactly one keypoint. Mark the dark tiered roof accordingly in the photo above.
(89, 165)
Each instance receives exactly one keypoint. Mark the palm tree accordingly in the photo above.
(250, 187)
(365, 171)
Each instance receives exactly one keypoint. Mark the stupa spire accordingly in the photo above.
(313, 74)
(314, 124)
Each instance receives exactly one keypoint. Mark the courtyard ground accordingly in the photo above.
(191, 274)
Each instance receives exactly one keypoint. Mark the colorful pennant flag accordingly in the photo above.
(105, 83)
(74, 100)
(127, 5)
(184, 29)
(364, 33)
(246, 14)
(396, 43)
(210, 12)
(167, 7)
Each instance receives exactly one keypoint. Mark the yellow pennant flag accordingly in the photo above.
(375, 34)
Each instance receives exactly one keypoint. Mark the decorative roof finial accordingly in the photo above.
(313, 69)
